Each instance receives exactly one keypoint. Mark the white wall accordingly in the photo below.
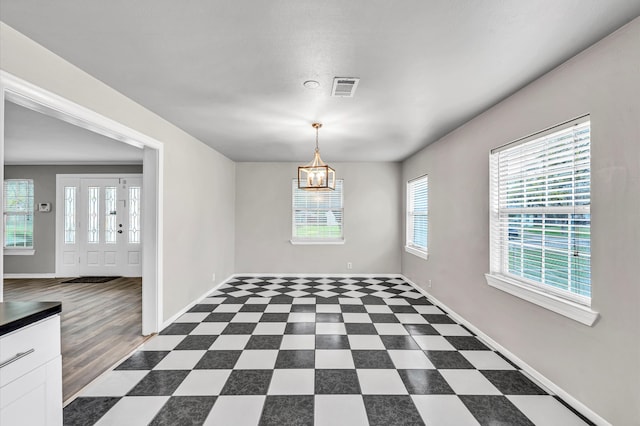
(599, 365)
(372, 221)
(199, 182)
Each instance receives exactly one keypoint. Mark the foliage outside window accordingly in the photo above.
(317, 215)
(540, 206)
(417, 216)
(18, 213)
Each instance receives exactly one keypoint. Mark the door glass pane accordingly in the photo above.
(134, 214)
(93, 225)
(69, 214)
(110, 214)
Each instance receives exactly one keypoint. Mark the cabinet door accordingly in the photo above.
(33, 399)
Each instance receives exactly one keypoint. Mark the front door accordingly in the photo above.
(99, 229)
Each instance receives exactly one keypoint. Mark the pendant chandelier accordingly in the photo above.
(316, 176)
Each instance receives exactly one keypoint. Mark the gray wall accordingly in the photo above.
(44, 224)
(372, 222)
(598, 365)
(199, 183)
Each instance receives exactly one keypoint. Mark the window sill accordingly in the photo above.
(417, 252)
(582, 314)
(316, 242)
(18, 252)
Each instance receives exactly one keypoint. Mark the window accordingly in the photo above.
(317, 215)
(417, 216)
(540, 212)
(18, 214)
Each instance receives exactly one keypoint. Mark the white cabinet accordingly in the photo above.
(31, 375)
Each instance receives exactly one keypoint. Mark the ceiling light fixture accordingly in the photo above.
(311, 84)
(316, 176)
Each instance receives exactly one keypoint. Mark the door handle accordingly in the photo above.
(16, 357)
(119, 231)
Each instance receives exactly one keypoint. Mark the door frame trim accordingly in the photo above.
(59, 213)
(26, 94)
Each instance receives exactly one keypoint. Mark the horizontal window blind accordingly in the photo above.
(541, 222)
(18, 213)
(417, 213)
(317, 215)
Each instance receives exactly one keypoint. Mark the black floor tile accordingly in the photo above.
(339, 382)
(322, 317)
(491, 410)
(399, 342)
(421, 329)
(178, 409)
(332, 341)
(288, 410)
(371, 359)
(300, 328)
(247, 382)
(159, 383)
(274, 317)
(296, 359)
(391, 410)
(142, 360)
(240, 328)
(219, 317)
(196, 342)
(264, 342)
(448, 360)
(179, 328)
(511, 382)
(204, 307)
(383, 318)
(360, 328)
(438, 319)
(467, 343)
(353, 309)
(213, 360)
(87, 411)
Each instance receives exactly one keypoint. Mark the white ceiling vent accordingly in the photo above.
(344, 87)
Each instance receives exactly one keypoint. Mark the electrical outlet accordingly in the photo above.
(213, 277)
(349, 265)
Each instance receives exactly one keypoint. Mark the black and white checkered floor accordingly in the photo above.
(316, 350)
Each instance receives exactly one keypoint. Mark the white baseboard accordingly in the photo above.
(192, 304)
(552, 387)
(302, 275)
(29, 276)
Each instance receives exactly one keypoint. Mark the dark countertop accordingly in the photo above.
(15, 315)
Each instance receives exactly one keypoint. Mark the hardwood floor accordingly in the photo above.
(101, 323)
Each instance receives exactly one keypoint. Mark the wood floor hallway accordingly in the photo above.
(101, 323)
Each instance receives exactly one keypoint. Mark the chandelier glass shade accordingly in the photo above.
(316, 176)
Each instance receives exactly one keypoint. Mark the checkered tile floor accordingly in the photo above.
(324, 351)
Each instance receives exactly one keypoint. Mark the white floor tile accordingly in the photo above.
(486, 360)
(378, 309)
(133, 411)
(114, 383)
(353, 317)
(260, 359)
(298, 341)
(433, 343)
(334, 358)
(404, 359)
(301, 317)
(391, 329)
(450, 330)
(258, 301)
(411, 319)
(362, 341)
(180, 360)
(381, 382)
(270, 328)
(162, 343)
(545, 410)
(209, 328)
(229, 307)
(340, 410)
(443, 410)
(247, 317)
(349, 301)
(230, 342)
(330, 328)
(192, 317)
(278, 309)
(328, 309)
(203, 383)
(292, 382)
(396, 302)
(304, 301)
(469, 382)
(428, 309)
(242, 410)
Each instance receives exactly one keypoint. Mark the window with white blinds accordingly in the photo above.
(18, 213)
(417, 216)
(540, 211)
(317, 215)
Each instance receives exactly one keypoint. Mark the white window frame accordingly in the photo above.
(19, 251)
(410, 245)
(316, 241)
(572, 306)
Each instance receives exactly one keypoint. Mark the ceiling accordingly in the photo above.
(35, 138)
(230, 73)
